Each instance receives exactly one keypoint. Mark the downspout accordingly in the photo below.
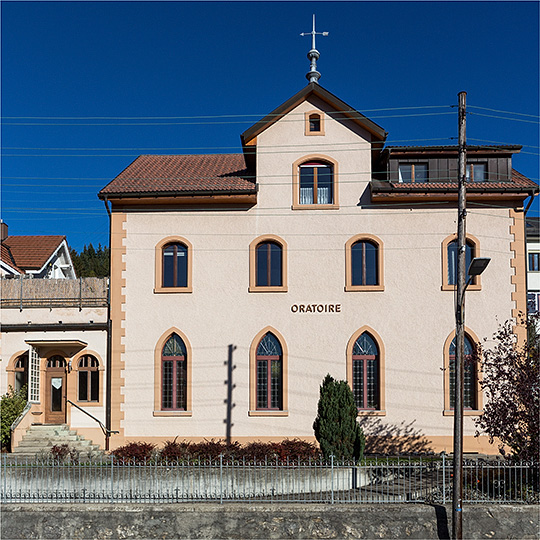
(108, 392)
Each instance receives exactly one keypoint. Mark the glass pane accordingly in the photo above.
(275, 265)
(181, 266)
(262, 265)
(166, 385)
(262, 384)
(357, 260)
(181, 386)
(358, 383)
(269, 346)
(174, 346)
(83, 385)
(365, 346)
(468, 347)
(452, 263)
(420, 172)
(306, 185)
(469, 384)
(56, 394)
(94, 385)
(324, 185)
(479, 172)
(372, 384)
(371, 264)
(314, 123)
(405, 173)
(275, 390)
(168, 266)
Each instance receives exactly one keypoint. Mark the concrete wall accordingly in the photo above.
(173, 521)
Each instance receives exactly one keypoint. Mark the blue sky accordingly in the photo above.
(88, 86)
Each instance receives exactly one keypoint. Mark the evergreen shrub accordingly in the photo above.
(12, 404)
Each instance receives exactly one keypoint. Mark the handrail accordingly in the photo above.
(106, 432)
(19, 418)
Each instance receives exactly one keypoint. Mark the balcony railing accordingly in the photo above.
(51, 293)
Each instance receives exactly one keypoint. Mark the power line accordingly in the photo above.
(499, 111)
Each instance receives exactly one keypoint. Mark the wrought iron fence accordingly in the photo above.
(413, 480)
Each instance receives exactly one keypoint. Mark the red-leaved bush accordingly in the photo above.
(135, 452)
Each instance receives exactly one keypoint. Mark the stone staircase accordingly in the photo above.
(40, 438)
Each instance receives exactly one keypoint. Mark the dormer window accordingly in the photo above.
(413, 172)
(476, 172)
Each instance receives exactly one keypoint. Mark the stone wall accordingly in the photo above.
(257, 521)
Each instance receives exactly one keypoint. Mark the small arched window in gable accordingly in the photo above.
(314, 123)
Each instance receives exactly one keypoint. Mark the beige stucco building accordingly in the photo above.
(239, 281)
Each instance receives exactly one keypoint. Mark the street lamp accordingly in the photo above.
(477, 266)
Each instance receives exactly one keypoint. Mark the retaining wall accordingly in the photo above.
(258, 521)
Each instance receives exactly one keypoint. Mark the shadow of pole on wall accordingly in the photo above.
(229, 399)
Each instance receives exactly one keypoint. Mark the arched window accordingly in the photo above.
(174, 374)
(364, 264)
(269, 373)
(21, 371)
(450, 258)
(269, 262)
(453, 257)
(470, 387)
(175, 265)
(316, 183)
(366, 373)
(88, 369)
(314, 122)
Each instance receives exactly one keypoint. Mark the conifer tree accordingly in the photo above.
(336, 428)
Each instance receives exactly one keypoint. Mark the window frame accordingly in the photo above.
(469, 171)
(267, 238)
(413, 175)
(476, 284)
(449, 411)
(158, 360)
(323, 160)
(73, 382)
(89, 384)
(253, 376)
(349, 287)
(307, 125)
(381, 411)
(158, 281)
(531, 256)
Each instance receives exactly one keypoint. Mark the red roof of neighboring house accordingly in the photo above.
(29, 252)
(183, 174)
(7, 257)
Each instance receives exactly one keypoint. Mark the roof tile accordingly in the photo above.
(31, 252)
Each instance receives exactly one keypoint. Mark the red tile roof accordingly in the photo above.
(183, 174)
(7, 257)
(30, 252)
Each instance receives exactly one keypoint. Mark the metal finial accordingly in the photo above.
(313, 54)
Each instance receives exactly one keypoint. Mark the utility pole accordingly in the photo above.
(457, 493)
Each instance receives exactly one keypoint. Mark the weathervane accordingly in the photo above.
(313, 55)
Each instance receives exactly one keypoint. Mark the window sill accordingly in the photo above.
(313, 133)
(268, 413)
(315, 207)
(172, 290)
(474, 287)
(371, 413)
(466, 412)
(363, 288)
(267, 289)
(89, 404)
(172, 413)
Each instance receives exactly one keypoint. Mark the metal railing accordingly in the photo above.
(106, 431)
(30, 293)
(374, 481)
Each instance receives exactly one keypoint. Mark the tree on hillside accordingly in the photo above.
(511, 385)
(336, 428)
(91, 262)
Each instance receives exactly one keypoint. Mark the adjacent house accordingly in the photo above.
(238, 281)
(533, 264)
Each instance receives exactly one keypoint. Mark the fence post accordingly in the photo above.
(220, 478)
(332, 477)
(443, 477)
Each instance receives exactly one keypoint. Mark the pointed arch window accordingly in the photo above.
(269, 373)
(174, 374)
(365, 372)
(470, 383)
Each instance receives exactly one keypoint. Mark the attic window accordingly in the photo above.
(314, 123)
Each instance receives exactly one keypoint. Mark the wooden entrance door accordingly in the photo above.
(55, 390)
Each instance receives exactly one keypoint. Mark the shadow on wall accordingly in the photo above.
(393, 439)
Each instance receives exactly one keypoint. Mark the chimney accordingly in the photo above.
(3, 231)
